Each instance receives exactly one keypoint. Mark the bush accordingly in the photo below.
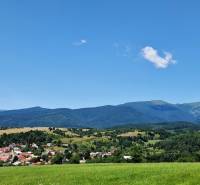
(57, 159)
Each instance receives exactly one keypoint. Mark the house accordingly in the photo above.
(95, 154)
(16, 163)
(107, 154)
(34, 146)
(23, 146)
(26, 154)
(12, 145)
(5, 150)
(127, 157)
(16, 149)
(5, 157)
(21, 158)
(52, 152)
(82, 161)
(100, 154)
(49, 144)
(65, 145)
(25, 157)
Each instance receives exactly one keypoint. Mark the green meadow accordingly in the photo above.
(103, 174)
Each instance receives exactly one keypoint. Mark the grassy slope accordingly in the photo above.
(103, 174)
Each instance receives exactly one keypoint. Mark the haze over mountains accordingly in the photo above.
(104, 116)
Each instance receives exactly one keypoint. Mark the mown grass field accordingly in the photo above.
(103, 174)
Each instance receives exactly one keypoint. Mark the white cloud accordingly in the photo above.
(151, 55)
(80, 42)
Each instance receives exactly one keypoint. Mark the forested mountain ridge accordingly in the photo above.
(104, 116)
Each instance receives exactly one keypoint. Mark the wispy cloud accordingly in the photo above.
(80, 42)
(151, 55)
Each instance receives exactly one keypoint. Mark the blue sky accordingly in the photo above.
(89, 53)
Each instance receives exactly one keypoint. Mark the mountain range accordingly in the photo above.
(155, 111)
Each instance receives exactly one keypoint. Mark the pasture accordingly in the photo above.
(103, 174)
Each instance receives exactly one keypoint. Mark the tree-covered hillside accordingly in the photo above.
(102, 117)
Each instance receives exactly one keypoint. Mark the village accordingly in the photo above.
(55, 146)
(14, 155)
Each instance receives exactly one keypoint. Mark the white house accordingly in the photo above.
(127, 157)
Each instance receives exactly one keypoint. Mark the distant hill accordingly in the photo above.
(156, 111)
(192, 108)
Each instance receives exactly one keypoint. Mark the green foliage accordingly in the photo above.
(38, 151)
(59, 132)
(45, 157)
(1, 163)
(27, 138)
(67, 154)
(75, 158)
(184, 147)
(57, 159)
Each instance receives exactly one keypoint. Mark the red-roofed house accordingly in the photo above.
(5, 150)
(5, 157)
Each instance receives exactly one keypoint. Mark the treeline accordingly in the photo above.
(27, 138)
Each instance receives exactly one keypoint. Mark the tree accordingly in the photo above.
(67, 154)
(75, 158)
(45, 157)
(57, 159)
(1, 163)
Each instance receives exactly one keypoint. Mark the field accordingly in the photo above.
(27, 129)
(103, 174)
(131, 134)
